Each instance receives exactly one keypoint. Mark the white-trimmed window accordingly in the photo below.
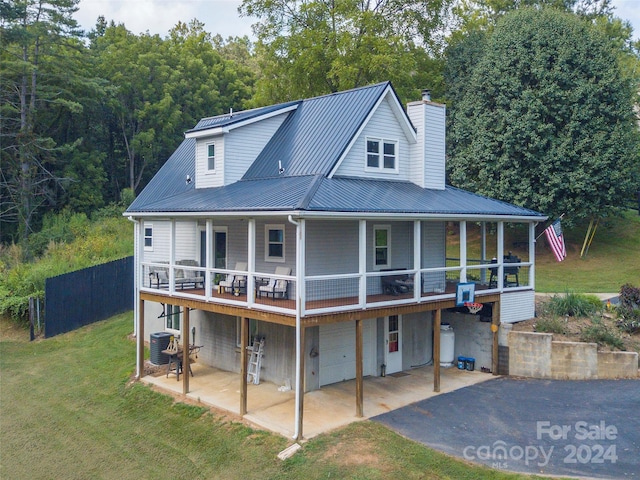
(148, 236)
(382, 155)
(172, 318)
(274, 243)
(211, 157)
(381, 246)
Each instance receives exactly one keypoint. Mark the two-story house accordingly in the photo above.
(324, 226)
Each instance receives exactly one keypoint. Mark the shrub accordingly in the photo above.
(551, 325)
(629, 309)
(573, 305)
(600, 334)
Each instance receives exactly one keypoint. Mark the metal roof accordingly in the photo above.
(308, 144)
(342, 194)
(237, 117)
(316, 193)
(312, 140)
(171, 178)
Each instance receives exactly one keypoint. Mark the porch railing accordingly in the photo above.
(328, 293)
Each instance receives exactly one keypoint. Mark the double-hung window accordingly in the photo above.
(274, 243)
(148, 237)
(382, 246)
(211, 157)
(382, 155)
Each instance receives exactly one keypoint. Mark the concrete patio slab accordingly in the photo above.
(330, 407)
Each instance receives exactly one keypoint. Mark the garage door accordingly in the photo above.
(338, 351)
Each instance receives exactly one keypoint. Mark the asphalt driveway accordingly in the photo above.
(550, 427)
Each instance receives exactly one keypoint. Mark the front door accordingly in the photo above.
(393, 343)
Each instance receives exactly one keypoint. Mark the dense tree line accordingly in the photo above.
(86, 116)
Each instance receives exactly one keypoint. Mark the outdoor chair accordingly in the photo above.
(397, 284)
(188, 277)
(276, 286)
(235, 281)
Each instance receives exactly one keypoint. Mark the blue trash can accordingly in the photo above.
(462, 363)
(471, 364)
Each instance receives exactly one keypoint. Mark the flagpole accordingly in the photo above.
(559, 218)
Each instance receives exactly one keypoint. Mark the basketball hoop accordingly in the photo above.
(473, 307)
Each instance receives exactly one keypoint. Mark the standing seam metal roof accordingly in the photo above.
(308, 144)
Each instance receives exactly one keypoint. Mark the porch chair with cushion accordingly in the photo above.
(276, 286)
(234, 280)
(188, 277)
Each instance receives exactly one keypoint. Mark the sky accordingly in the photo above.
(220, 16)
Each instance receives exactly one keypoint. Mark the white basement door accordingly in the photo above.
(338, 351)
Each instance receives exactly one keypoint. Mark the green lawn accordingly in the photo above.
(612, 260)
(69, 411)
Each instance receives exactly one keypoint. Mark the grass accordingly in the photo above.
(612, 260)
(70, 411)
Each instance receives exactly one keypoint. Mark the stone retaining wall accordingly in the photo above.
(537, 355)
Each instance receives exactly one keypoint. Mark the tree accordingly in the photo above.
(41, 65)
(546, 120)
(324, 46)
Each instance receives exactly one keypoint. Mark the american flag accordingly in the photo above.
(556, 240)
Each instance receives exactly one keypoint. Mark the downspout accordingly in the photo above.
(296, 433)
(136, 295)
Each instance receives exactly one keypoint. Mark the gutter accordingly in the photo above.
(136, 296)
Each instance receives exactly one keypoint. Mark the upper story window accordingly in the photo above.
(382, 246)
(274, 243)
(382, 155)
(211, 156)
(148, 237)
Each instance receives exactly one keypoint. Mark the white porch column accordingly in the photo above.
(172, 255)
(208, 283)
(301, 272)
(500, 255)
(417, 258)
(138, 306)
(251, 260)
(532, 255)
(362, 261)
(463, 250)
(483, 251)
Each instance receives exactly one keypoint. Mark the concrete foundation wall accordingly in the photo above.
(574, 361)
(472, 338)
(617, 364)
(536, 355)
(530, 354)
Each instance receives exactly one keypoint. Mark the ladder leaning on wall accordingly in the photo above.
(255, 361)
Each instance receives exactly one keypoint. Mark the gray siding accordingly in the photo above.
(434, 152)
(517, 306)
(434, 251)
(262, 265)
(331, 248)
(243, 145)
(383, 124)
(428, 154)
(205, 178)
